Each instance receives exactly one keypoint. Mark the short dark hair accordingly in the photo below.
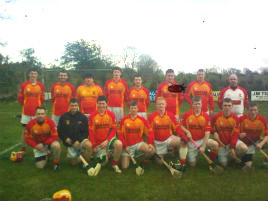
(137, 75)
(40, 108)
(63, 71)
(34, 69)
(116, 68)
(133, 103)
(200, 70)
(227, 100)
(87, 75)
(102, 98)
(252, 104)
(169, 71)
(196, 99)
(74, 100)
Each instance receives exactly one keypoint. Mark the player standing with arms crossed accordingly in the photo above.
(173, 99)
(201, 88)
(237, 94)
(31, 95)
(141, 95)
(87, 93)
(61, 93)
(116, 90)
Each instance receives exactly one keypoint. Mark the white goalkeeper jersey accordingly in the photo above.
(239, 98)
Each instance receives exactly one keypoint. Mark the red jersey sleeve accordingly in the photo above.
(148, 131)
(113, 127)
(27, 134)
(221, 96)
(177, 128)
(90, 129)
(53, 132)
(121, 131)
(210, 98)
(21, 93)
(42, 97)
(148, 97)
(235, 133)
(187, 94)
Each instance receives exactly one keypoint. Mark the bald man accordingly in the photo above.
(237, 94)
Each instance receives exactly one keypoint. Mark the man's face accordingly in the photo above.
(137, 81)
(63, 77)
(102, 105)
(33, 75)
(88, 81)
(227, 107)
(233, 81)
(253, 111)
(170, 77)
(116, 74)
(161, 105)
(40, 115)
(197, 105)
(74, 107)
(200, 76)
(133, 110)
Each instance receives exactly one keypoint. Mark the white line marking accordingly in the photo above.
(10, 148)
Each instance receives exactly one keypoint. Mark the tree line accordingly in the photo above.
(86, 56)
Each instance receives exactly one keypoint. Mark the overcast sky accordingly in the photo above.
(185, 34)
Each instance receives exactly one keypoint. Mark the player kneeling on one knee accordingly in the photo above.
(73, 131)
(132, 129)
(252, 127)
(225, 129)
(163, 124)
(197, 126)
(41, 134)
(102, 131)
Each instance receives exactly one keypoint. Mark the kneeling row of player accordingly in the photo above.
(162, 132)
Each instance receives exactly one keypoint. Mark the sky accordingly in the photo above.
(181, 34)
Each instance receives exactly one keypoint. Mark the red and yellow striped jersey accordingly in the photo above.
(88, 95)
(61, 95)
(164, 126)
(203, 90)
(99, 126)
(142, 96)
(131, 131)
(197, 125)
(173, 99)
(226, 127)
(116, 93)
(31, 96)
(36, 133)
(255, 129)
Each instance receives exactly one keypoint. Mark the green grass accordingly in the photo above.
(22, 181)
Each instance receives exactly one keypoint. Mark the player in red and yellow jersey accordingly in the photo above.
(132, 130)
(255, 127)
(196, 125)
(102, 133)
(173, 99)
(61, 93)
(41, 134)
(201, 88)
(168, 133)
(30, 96)
(87, 94)
(116, 90)
(141, 95)
(225, 126)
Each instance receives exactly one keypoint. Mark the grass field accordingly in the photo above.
(22, 181)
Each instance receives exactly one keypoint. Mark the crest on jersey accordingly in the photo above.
(67, 122)
(35, 131)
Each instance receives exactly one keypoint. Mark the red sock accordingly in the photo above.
(55, 162)
(114, 162)
(183, 161)
(213, 154)
(265, 159)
